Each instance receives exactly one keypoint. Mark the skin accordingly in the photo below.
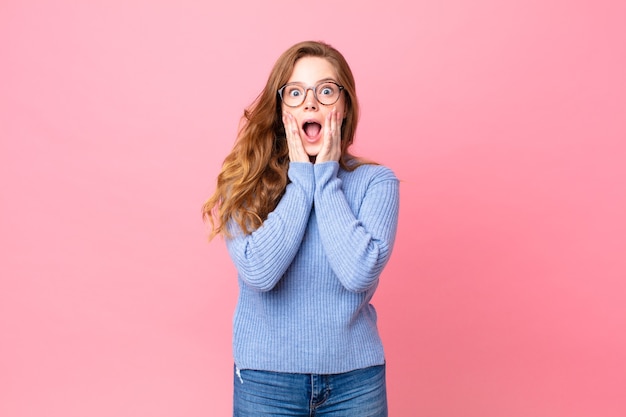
(326, 146)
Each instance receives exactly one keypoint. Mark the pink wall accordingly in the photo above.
(506, 121)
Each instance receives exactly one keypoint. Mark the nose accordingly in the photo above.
(310, 102)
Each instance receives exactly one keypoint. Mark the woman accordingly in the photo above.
(309, 228)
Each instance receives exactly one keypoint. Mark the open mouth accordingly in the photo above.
(311, 129)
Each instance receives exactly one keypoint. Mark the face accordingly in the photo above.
(311, 114)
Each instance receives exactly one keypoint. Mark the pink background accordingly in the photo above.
(505, 120)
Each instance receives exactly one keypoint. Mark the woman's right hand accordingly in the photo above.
(294, 141)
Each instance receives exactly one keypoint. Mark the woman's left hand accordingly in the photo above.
(331, 148)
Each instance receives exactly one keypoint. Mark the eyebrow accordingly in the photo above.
(317, 82)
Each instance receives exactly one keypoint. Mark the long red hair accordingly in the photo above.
(254, 175)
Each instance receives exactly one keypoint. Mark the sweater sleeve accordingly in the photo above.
(262, 257)
(357, 245)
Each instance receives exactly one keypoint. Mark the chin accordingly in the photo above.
(312, 152)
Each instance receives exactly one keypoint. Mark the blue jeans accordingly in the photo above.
(360, 393)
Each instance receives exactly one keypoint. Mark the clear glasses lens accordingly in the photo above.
(326, 93)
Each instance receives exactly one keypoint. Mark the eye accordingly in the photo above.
(294, 92)
(327, 90)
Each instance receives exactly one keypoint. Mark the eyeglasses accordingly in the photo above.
(325, 92)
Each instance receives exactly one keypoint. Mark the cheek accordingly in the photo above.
(287, 110)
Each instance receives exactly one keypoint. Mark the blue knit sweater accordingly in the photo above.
(307, 275)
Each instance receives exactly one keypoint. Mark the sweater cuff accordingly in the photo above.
(324, 172)
(302, 175)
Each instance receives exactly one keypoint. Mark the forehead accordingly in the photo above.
(311, 69)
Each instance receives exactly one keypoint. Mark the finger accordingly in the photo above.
(328, 132)
(331, 123)
(339, 124)
(290, 129)
(330, 145)
(287, 124)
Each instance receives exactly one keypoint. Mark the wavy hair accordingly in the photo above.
(254, 175)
